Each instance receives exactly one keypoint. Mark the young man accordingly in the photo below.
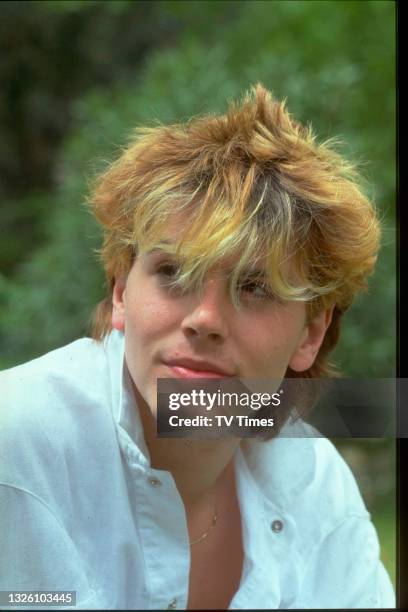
(233, 244)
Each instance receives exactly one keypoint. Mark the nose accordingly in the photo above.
(208, 317)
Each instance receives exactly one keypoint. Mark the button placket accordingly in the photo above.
(162, 535)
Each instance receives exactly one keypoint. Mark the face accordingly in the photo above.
(169, 334)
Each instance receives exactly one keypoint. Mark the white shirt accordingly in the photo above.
(83, 510)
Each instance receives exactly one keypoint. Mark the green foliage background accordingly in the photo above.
(77, 77)
(334, 61)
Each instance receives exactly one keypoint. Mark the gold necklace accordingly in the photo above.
(205, 534)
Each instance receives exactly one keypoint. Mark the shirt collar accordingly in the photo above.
(127, 419)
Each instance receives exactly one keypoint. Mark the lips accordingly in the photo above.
(191, 368)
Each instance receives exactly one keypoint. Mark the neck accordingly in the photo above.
(197, 466)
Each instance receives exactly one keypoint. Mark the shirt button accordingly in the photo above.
(172, 605)
(277, 526)
(154, 481)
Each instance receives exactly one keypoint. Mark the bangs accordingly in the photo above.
(257, 230)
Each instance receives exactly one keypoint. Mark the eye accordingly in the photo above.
(255, 287)
(168, 270)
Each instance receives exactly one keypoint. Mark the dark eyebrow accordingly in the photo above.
(255, 272)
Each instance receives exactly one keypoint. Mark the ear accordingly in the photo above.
(118, 309)
(311, 341)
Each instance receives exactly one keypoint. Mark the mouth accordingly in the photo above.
(190, 368)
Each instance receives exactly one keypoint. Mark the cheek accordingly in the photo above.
(149, 318)
(270, 343)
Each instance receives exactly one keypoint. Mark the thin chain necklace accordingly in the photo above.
(205, 534)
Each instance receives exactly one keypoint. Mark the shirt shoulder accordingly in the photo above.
(55, 411)
(63, 363)
(39, 390)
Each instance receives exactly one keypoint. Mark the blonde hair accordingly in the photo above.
(250, 183)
